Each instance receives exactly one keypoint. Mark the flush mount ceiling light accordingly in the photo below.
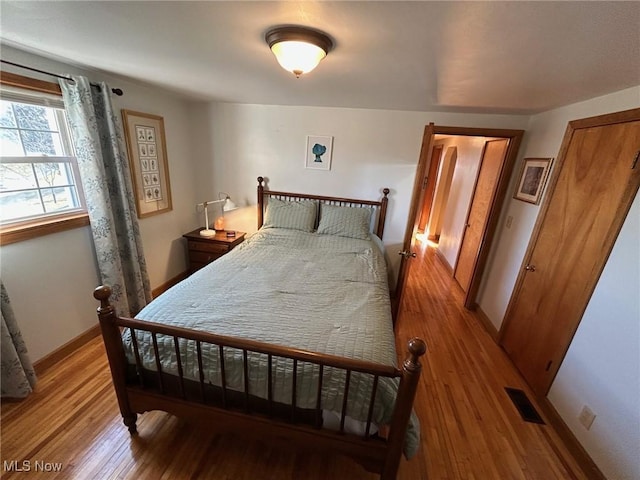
(298, 49)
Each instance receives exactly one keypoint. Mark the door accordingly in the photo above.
(484, 194)
(595, 181)
(430, 187)
(413, 219)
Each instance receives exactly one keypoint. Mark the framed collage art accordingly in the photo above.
(147, 149)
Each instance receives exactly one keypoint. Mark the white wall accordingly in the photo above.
(457, 204)
(50, 279)
(372, 149)
(601, 368)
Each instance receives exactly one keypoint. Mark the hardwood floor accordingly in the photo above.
(470, 429)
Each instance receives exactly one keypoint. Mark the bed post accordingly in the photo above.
(115, 354)
(411, 369)
(260, 202)
(383, 213)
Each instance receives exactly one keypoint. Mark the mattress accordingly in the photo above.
(321, 293)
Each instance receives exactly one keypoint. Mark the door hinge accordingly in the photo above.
(635, 160)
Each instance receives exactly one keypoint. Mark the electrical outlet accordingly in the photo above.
(509, 221)
(586, 417)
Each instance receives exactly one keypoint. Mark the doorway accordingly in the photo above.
(413, 220)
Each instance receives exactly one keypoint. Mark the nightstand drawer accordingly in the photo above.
(203, 257)
(203, 250)
(208, 247)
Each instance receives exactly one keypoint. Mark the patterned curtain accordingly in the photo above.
(106, 181)
(17, 375)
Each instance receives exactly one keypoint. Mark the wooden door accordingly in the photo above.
(417, 198)
(430, 187)
(484, 193)
(594, 183)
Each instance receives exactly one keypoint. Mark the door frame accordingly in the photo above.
(417, 197)
(596, 121)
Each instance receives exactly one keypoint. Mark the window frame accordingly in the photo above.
(37, 227)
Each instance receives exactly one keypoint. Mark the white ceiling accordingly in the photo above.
(497, 57)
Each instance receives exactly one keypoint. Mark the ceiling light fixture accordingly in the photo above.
(298, 49)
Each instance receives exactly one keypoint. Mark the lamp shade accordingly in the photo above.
(298, 57)
(298, 49)
(229, 205)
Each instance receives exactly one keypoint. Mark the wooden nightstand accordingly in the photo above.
(203, 250)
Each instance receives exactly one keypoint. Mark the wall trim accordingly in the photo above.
(168, 284)
(444, 261)
(486, 323)
(46, 362)
(569, 440)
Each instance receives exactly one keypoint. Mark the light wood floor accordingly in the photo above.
(470, 430)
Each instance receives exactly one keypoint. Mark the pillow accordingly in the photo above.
(350, 222)
(292, 215)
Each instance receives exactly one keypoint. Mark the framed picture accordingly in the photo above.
(319, 149)
(532, 179)
(147, 151)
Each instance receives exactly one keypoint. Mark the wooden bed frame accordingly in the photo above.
(139, 390)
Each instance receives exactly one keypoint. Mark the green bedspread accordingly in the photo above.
(321, 293)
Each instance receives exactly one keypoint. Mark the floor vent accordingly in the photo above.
(524, 406)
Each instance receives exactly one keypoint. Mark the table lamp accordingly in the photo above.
(219, 223)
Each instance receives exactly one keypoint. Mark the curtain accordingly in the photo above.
(106, 181)
(17, 375)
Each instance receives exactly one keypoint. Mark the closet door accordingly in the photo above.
(484, 194)
(595, 180)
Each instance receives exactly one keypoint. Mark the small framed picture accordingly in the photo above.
(532, 179)
(319, 149)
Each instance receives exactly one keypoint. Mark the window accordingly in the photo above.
(39, 179)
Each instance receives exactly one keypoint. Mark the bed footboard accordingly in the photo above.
(139, 390)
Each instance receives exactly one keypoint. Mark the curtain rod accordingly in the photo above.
(116, 91)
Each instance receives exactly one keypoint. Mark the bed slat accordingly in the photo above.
(344, 401)
(294, 384)
(371, 404)
(179, 363)
(158, 364)
(223, 377)
(319, 398)
(245, 368)
(200, 371)
(136, 352)
(270, 383)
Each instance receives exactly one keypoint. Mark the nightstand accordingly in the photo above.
(204, 250)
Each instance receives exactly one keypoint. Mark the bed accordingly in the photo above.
(288, 336)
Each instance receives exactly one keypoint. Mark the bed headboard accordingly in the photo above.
(379, 207)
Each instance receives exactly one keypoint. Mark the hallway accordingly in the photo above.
(470, 429)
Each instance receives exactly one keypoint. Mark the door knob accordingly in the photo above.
(530, 268)
(406, 254)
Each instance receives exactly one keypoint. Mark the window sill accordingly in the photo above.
(39, 228)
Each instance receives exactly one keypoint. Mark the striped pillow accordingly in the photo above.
(353, 222)
(292, 215)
